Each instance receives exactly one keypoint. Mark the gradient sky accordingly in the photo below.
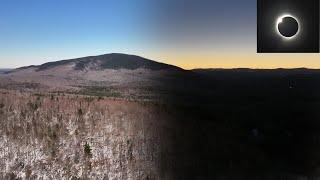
(186, 33)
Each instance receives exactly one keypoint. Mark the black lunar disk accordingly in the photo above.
(288, 27)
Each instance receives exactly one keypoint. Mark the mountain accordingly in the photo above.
(109, 73)
(114, 61)
(123, 75)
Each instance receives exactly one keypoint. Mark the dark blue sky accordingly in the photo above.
(37, 31)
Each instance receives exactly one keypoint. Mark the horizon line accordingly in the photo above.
(185, 67)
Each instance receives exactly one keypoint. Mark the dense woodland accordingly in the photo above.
(208, 124)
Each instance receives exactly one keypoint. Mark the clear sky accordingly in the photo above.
(187, 33)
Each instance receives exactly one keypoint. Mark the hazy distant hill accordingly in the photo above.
(258, 72)
(4, 71)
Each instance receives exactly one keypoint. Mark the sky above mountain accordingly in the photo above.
(186, 33)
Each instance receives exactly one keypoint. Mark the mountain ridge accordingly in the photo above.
(106, 61)
(131, 62)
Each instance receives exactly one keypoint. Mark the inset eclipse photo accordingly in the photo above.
(288, 26)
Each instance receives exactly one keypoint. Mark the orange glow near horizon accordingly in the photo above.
(242, 60)
(193, 60)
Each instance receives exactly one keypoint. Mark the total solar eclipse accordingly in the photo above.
(287, 26)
